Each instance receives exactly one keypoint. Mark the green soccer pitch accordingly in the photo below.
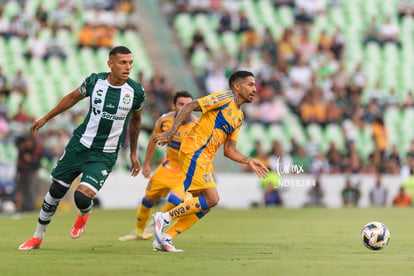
(310, 241)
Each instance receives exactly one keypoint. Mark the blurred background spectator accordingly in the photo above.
(350, 194)
(402, 199)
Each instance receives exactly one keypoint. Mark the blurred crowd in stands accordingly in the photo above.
(42, 29)
(308, 78)
(294, 73)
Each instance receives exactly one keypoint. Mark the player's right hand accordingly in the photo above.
(162, 138)
(37, 125)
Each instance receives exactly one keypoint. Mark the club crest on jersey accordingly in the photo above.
(126, 99)
(213, 100)
(207, 177)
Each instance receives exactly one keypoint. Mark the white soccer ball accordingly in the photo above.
(8, 207)
(375, 235)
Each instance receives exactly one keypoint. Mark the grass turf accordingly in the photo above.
(226, 242)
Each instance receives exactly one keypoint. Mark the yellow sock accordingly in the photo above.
(142, 215)
(182, 224)
(189, 207)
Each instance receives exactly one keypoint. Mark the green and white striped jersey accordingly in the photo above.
(110, 107)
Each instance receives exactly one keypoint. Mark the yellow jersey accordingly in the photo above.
(220, 120)
(163, 124)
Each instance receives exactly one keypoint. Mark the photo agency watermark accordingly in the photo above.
(293, 175)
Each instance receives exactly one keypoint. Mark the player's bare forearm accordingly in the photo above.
(134, 129)
(231, 152)
(181, 117)
(149, 152)
(64, 104)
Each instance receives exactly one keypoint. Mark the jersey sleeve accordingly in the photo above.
(214, 100)
(139, 95)
(234, 136)
(159, 125)
(87, 85)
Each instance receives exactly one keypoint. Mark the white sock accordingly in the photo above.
(40, 231)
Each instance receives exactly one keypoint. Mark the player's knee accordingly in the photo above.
(82, 201)
(57, 190)
(212, 200)
(149, 201)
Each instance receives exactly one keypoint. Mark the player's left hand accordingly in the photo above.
(136, 166)
(258, 167)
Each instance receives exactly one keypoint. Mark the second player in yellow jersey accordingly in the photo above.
(168, 178)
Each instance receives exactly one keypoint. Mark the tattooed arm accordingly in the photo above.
(182, 116)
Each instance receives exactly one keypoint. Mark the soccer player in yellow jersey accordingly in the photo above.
(219, 124)
(168, 177)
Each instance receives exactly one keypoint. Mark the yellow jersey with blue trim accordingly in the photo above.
(163, 124)
(220, 120)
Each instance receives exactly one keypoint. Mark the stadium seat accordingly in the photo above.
(337, 18)
(334, 133)
(231, 43)
(266, 13)
(364, 142)
(286, 16)
(258, 132)
(276, 132)
(199, 58)
(316, 132)
(244, 144)
(294, 129)
(185, 28)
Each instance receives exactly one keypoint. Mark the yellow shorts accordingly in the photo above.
(198, 172)
(165, 180)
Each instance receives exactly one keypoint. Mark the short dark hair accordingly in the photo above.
(119, 50)
(180, 94)
(239, 75)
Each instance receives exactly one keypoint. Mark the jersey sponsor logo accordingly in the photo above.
(110, 106)
(126, 99)
(112, 117)
(123, 108)
(177, 212)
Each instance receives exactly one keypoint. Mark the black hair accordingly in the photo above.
(239, 75)
(119, 50)
(180, 94)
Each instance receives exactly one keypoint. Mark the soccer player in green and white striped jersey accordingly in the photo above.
(115, 103)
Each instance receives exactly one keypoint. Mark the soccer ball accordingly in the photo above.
(375, 235)
(9, 208)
